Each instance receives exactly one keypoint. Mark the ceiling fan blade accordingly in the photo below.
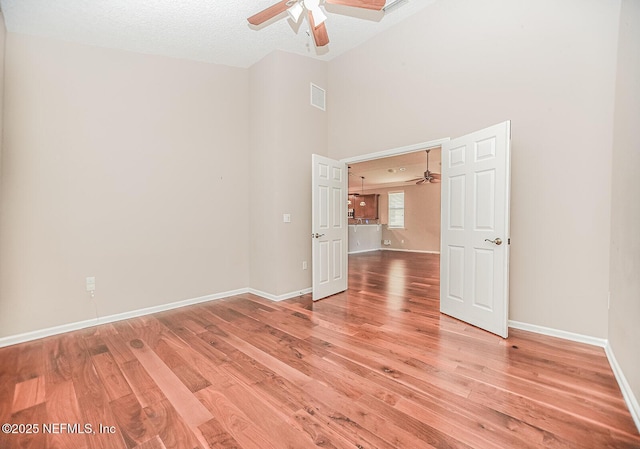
(415, 179)
(320, 35)
(376, 5)
(269, 13)
(435, 175)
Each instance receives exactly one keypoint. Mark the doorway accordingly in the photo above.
(394, 203)
(475, 222)
(412, 225)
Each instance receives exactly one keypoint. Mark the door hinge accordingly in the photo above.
(508, 241)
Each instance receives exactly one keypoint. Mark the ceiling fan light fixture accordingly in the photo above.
(318, 16)
(362, 203)
(295, 11)
(311, 4)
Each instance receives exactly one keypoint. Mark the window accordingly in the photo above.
(396, 210)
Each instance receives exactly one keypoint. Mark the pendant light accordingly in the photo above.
(295, 11)
(348, 194)
(362, 203)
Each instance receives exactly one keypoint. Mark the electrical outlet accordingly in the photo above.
(90, 284)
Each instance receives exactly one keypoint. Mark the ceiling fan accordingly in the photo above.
(315, 15)
(428, 177)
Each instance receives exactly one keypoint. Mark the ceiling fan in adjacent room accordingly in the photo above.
(428, 177)
(315, 15)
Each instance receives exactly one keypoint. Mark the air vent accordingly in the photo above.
(318, 97)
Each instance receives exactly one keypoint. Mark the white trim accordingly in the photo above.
(409, 250)
(42, 333)
(594, 341)
(396, 151)
(625, 388)
(282, 297)
(364, 251)
(69, 327)
(627, 392)
(55, 330)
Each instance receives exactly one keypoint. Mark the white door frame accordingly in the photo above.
(474, 262)
(396, 151)
(369, 157)
(329, 227)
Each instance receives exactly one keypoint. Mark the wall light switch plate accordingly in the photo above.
(286, 218)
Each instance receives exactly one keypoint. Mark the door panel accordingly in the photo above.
(483, 201)
(456, 202)
(455, 270)
(475, 211)
(483, 264)
(329, 231)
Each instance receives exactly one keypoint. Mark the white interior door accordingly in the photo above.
(474, 253)
(329, 231)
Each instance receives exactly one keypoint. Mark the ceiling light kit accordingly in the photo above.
(315, 15)
(428, 177)
(392, 4)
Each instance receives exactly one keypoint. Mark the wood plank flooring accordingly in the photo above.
(375, 367)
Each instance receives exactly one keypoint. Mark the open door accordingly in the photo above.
(329, 231)
(474, 253)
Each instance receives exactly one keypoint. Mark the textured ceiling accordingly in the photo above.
(202, 30)
(385, 172)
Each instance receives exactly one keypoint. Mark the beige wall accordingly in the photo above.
(94, 135)
(133, 168)
(458, 66)
(624, 313)
(3, 37)
(126, 167)
(421, 218)
(285, 131)
(265, 129)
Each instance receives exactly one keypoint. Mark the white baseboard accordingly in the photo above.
(627, 392)
(601, 342)
(410, 250)
(394, 249)
(55, 330)
(280, 297)
(363, 251)
(42, 333)
(625, 388)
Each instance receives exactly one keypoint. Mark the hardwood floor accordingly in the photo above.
(374, 367)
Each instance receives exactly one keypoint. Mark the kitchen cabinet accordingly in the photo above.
(369, 211)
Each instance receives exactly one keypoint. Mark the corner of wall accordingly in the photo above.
(624, 258)
(285, 130)
(3, 39)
